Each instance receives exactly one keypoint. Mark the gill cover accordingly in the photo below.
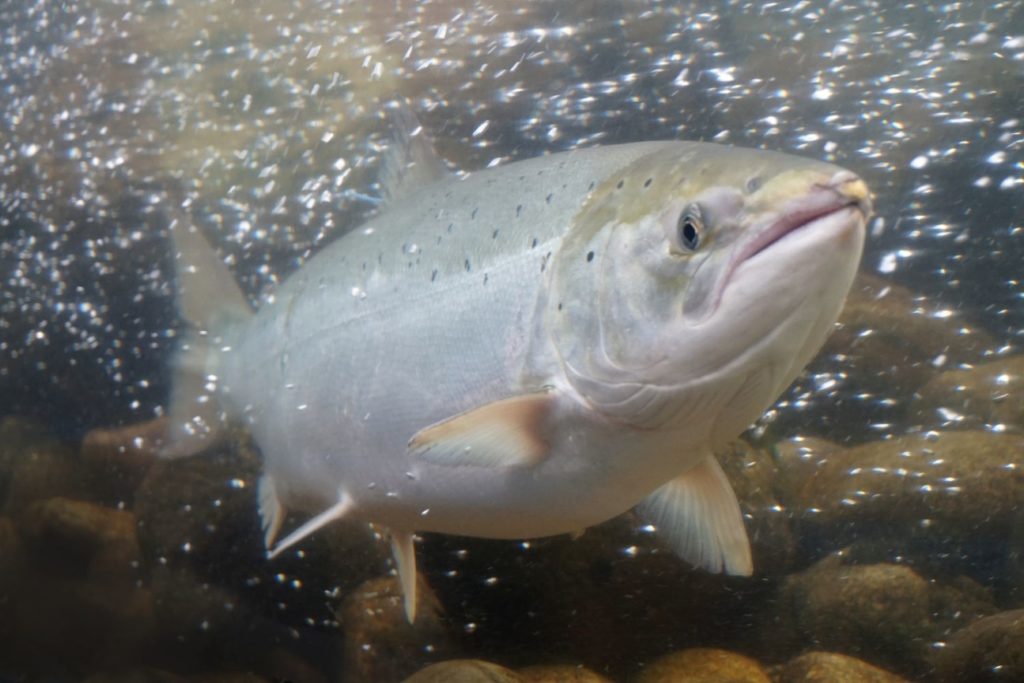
(642, 249)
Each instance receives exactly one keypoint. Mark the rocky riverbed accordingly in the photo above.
(881, 560)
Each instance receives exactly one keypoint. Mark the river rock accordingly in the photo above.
(944, 485)
(117, 459)
(79, 624)
(34, 465)
(703, 665)
(82, 538)
(12, 558)
(831, 667)
(560, 673)
(74, 597)
(893, 341)
(464, 671)
(13, 566)
(990, 393)
(136, 676)
(379, 643)
(201, 511)
(883, 613)
(797, 459)
(228, 677)
(990, 649)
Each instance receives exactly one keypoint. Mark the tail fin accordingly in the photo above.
(212, 306)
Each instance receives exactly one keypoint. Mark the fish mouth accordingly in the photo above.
(845, 191)
(819, 206)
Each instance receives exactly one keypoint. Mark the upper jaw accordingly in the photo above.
(844, 190)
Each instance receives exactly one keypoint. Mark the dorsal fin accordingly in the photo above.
(410, 161)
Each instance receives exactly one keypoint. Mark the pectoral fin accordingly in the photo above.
(698, 515)
(505, 433)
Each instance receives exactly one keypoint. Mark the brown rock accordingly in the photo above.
(228, 677)
(34, 465)
(464, 671)
(117, 459)
(282, 664)
(892, 342)
(797, 460)
(989, 393)
(12, 558)
(13, 566)
(703, 665)
(886, 614)
(136, 676)
(990, 649)
(206, 618)
(961, 483)
(82, 624)
(560, 673)
(830, 667)
(879, 611)
(77, 535)
(380, 644)
(200, 512)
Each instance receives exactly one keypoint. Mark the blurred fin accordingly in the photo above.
(404, 552)
(410, 161)
(271, 510)
(212, 306)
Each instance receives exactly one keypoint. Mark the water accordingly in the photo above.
(267, 118)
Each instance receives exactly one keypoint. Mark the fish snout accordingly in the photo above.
(849, 186)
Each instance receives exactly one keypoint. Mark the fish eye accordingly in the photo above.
(689, 228)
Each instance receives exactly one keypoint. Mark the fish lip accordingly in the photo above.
(824, 201)
(843, 191)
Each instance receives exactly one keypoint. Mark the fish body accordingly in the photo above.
(531, 349)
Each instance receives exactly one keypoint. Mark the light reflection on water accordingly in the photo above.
(267, 120)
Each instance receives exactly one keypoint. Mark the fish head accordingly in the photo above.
(696, 283)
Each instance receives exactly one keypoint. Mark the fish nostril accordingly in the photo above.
(841, 178)
(851, 187)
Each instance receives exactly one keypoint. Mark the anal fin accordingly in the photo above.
(698, 515)
(504, 433)
(331, 514)
(404, 553)
(271, 510)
